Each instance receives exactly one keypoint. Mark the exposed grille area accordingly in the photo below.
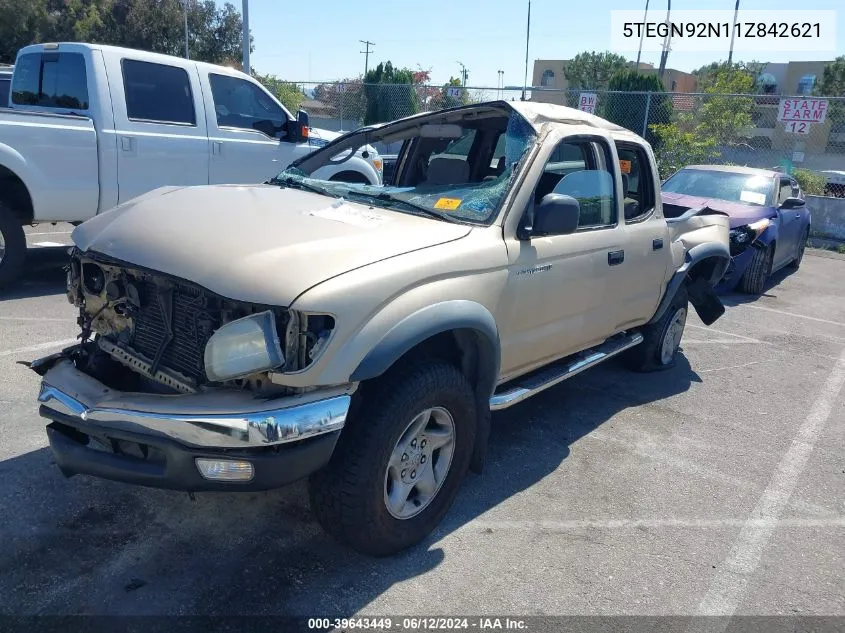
(172, 325)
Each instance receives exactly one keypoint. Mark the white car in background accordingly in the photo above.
(90, 127)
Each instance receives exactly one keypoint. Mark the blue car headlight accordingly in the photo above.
(744, 236)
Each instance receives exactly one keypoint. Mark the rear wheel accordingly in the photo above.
(400, 460)
(662, 339)
(796, 263)
(754, 280)
(12, 245)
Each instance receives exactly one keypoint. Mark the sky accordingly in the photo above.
(318, 40)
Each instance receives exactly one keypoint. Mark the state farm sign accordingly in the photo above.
(808, 110)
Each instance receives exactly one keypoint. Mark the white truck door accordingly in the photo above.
(161, 134)
(247, 131)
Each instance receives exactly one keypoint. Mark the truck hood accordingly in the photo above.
(259, 243)
(738, 212)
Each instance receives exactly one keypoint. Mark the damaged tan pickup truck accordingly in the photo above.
(242, 337)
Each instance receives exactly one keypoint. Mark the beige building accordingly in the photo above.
(549, 76)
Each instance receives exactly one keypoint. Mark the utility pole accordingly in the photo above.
(665, 54)
(245, 11)
(367, 44)
(733, 33)
(464, 74)
(642, 35)
(527, 36)
(501, 83)
(185, 4)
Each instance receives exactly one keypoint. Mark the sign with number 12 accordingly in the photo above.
(798, 127)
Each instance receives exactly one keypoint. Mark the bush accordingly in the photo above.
(626, 106)
(811, 182)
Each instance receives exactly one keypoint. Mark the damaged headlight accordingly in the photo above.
(743, 236)
(243, 347)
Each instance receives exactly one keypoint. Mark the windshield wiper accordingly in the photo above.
(416, 209)
(298, 184)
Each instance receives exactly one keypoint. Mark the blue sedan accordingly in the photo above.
(769, 220)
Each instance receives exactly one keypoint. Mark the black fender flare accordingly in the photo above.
(429, 321)
(721, 255)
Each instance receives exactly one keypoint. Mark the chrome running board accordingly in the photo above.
(524, 387)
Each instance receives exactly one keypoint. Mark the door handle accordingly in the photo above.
(127, 143)
(614, 258)
(657, 244)
(217, 148)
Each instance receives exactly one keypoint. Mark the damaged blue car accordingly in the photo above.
(769, 219)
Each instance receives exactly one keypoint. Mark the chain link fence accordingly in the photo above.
(683, 128)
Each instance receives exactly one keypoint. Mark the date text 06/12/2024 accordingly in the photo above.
(419, 623)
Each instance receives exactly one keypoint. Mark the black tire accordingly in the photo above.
(13, 244)
(648, 355)
(348, 495)
(754, 280)
(796, 263)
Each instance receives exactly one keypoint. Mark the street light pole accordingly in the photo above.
(245, 7)
(733, 33)
(185, 4)
(665, 54)
(642, 35)
(527, 36)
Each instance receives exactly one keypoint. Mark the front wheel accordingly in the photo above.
(400, 460)
(754, 280)
(661, 339)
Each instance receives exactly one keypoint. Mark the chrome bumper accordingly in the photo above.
(207, 420)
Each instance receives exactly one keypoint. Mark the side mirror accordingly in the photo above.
(300, 127)
(792, 203)
(557, 214)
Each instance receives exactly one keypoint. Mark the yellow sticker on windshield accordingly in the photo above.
(625, 166)
(447, 204)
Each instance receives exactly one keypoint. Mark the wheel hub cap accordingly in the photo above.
(419, 463)
(672, 338)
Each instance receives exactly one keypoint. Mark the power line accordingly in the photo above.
(367, 44)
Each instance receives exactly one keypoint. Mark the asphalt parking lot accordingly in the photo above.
(717, 488)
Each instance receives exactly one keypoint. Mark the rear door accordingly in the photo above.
(248, 131)
(647, 238)
(161, 133)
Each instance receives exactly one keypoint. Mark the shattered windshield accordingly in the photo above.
(457, 172)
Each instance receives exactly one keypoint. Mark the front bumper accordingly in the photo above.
(154, 440)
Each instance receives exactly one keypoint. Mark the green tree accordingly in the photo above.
(832, 83)
(153, 25)
(286, 92)
(679, 147)
(390, 94)
(23, 22)
(593, 71)
(724, 115)
(811, 182)
(626, 105)
(345, 97)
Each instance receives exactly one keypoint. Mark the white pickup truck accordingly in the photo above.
(89, 127)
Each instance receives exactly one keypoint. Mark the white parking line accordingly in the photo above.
(793, 314)
(728, 586)
(40, 346)
(739, 336)
(755, 362)
(553, 525)
(51, 319)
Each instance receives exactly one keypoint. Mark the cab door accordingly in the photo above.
(161, 134)
(248, 131)
(558, 296)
